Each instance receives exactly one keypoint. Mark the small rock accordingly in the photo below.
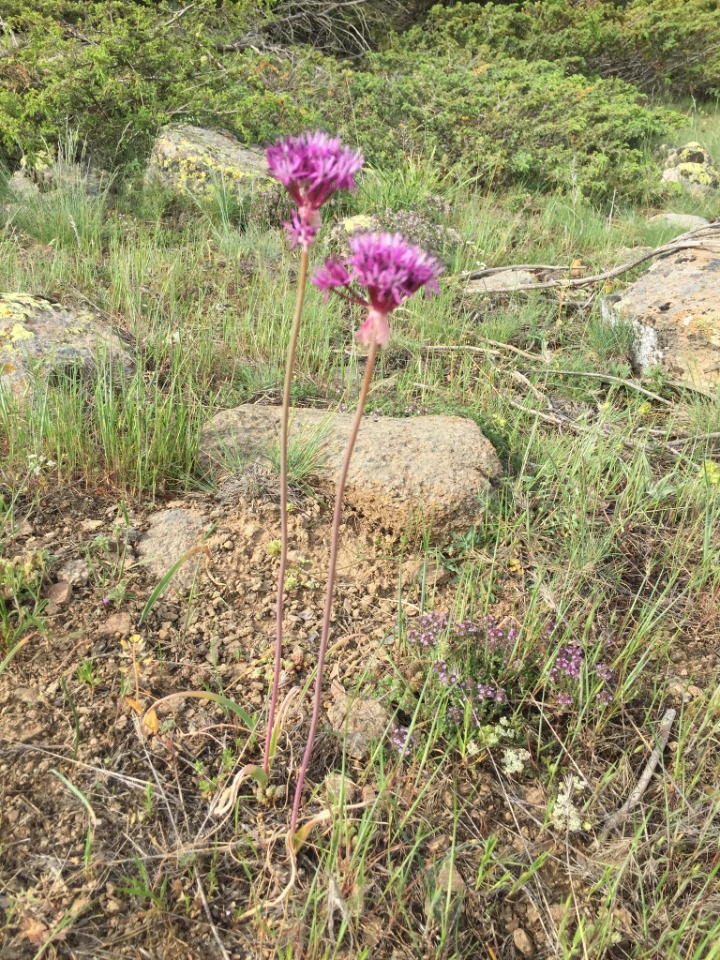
(683, 221)
(406, 473)
(559, 912)
(503, 280)
(435, 574)
(674, 310)
(442, 877)
(361, 722)
(26, 695)
(449, 877)
(523, 943)
(39, 336)
(339, 787)
(90, 526)
(76, 572)
(118, 623)
(60, 592)
(341, 232)
(190, 159)
(171, 534)
(25, 529)
(692, 167)
(21, 185)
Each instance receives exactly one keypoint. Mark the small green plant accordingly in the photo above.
(21, 602)
(141, 886)
(87, 673)
(306, 456)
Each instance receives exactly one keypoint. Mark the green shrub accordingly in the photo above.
(659, 45)
(507, 121)
(116, 71)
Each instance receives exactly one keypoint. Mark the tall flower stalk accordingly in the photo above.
(311, 167)
(391, 270)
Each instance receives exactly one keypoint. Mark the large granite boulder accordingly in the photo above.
(675, 310)
(405, 472)
(188, 159)
(38, 336)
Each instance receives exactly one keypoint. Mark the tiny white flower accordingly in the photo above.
(514, 761)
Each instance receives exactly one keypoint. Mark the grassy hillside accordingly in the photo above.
(473, 829)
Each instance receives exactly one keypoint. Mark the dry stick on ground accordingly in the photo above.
(494, 348)
(608, 378)
(686, 242)
(684, 441)
(618, 819)
(213, 929)
(488, 271)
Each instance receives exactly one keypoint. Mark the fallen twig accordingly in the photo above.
(699, 239)
(494, 348)
(618, 819)
(213, 929)
(698, 438)
(488, 271)
(608, 378)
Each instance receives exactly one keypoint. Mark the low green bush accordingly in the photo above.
(508, 121)
(117, 71)
(670, 46)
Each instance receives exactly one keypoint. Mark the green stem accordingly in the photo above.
(334, 544)
(284, 424)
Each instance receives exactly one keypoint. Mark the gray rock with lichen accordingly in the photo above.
(39, 337)
(674, 311)
(691, 166)
(188, 159)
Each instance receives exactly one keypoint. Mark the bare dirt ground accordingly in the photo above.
(110, 848)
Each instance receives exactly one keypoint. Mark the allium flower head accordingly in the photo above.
(392, 270)
(311, 167)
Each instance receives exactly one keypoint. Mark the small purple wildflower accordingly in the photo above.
(428, 629)
(604, 671)
(455, 714)
(392, 270)
(311, 167)
(567, 663)
(564, 700)
(106, 600)
(402, 740)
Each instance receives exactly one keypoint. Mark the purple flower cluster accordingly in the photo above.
(469, 691)
(390, 268)
(568, 666)
(604, 671)
(568, 663)
(402, 740)
(311, 167)
(428, 629)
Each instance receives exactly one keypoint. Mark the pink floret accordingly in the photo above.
(392, 270)
(312, 167)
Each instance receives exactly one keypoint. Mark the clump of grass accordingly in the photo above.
(307, 456)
